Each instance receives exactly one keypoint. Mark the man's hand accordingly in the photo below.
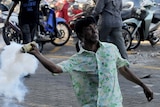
(34, 49)
(148, 92)
(132, 77)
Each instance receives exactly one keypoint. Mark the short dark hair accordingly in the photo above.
(83, 22)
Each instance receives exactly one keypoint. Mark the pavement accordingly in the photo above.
(45, 90)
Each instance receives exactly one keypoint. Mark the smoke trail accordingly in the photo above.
(14, 66)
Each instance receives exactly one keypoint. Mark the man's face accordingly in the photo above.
(90, 33)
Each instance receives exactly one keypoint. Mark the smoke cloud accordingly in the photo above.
(14, 66)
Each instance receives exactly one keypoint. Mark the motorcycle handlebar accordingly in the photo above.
(150, 4)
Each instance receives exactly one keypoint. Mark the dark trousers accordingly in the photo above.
(27, 32)
(114, 35)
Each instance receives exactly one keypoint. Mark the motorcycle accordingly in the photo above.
(2, 9)
(49, 29)
(126, 13)
(143, 24)
(86, 11)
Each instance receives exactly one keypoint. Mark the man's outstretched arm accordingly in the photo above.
(133, 78)
(53, 68)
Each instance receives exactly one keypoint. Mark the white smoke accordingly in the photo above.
(14, 66)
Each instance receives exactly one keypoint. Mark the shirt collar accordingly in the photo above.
(84, 50)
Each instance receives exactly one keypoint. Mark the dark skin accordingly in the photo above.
(90, 42)
(90, 38)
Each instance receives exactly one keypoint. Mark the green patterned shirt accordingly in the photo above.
(95, 77)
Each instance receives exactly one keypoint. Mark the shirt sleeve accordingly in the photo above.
(65, 66)
(68, 65)
(120, 61)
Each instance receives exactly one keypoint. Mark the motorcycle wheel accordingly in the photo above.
(63, 35)
(136, 39)
(10, 35)
(127, 38)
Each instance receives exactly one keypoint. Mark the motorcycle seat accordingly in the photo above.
(156, 16)
(126, 13)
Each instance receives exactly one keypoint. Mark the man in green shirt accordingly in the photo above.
(94, 69)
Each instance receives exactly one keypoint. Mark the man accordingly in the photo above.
(28, 17)
(94, 69)
(110, 23)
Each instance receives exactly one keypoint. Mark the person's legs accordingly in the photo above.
(26, 33)
(32, 27)
(27, 37)
(113, 35)
(118, 40)
(104, 34)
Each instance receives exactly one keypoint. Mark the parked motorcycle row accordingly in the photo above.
(143, 24)
(140, 23)
(126, 14)
(51, 29)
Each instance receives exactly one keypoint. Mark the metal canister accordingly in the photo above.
(27, 47)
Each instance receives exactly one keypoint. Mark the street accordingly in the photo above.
(46, 90)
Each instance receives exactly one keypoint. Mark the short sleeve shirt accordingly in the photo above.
(95, 77)
(29, 10)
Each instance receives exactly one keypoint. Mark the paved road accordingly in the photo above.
(46, 90)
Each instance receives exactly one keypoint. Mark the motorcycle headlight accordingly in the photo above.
(44, 9)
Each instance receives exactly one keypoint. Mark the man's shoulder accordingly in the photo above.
(107, 44)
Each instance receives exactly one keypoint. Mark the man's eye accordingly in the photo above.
(88, 29)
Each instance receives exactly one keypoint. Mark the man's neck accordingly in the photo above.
(91, 46)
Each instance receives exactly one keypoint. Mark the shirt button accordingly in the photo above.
(96, 67)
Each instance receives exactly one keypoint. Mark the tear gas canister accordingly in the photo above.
(28, 47)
